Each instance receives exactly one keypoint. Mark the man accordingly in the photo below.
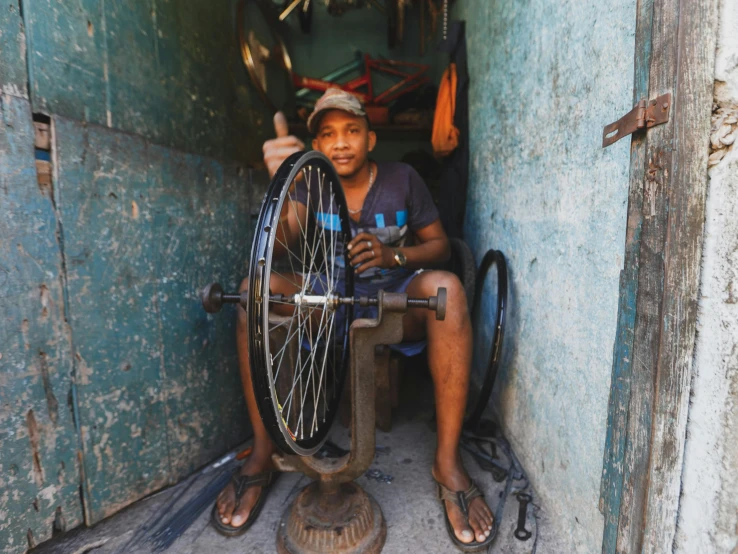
(387, 202)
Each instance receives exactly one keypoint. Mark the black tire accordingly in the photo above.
(497, 259)
(463, 266)
(272, 400)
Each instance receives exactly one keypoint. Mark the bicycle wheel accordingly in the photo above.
(264, 53)
(486, 299)
(299, 338)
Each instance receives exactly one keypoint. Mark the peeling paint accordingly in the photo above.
(33, 436)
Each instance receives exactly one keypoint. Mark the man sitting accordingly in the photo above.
(387, 202)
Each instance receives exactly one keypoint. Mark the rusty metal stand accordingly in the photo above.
(334, 514)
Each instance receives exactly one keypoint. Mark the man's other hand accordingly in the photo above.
(366, 251)
(279, 149)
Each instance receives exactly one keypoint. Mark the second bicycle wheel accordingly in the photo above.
(298, 331)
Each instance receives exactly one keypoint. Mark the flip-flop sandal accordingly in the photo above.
(241, 483)
(462, 499)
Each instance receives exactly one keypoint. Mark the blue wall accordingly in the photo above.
(546, 77)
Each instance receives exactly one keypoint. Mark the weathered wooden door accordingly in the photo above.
(675, 49)
(113, 380)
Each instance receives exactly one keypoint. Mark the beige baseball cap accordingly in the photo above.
(334, 99)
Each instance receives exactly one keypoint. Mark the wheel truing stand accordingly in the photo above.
(334, 514)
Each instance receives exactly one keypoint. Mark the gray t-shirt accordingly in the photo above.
(397, 205)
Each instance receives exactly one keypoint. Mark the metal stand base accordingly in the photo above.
(319, 521)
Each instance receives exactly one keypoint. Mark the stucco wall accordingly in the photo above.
(708, 517)
(545, 79)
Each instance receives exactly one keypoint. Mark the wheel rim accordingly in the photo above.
(264, 53)
(497, 259)
(298, 381)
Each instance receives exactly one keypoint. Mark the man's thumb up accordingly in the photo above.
(280, 125)
(279, 149)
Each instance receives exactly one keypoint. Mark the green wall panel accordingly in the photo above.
(145, 227)
(13, 77)
(39, 473)
(169, 71)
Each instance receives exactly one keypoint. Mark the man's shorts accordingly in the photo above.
(362, 288)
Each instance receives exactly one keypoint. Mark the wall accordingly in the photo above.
(546, 77)
(708, 516)
(113, 380)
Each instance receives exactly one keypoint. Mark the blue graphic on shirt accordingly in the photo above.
(328, 221)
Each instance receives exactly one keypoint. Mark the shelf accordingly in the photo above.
(387, 132)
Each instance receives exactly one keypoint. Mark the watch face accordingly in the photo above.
(400, 257)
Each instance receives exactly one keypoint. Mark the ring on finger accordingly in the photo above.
(368, 244)
(372, 253)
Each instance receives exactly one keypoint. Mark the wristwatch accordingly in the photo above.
(399, 257)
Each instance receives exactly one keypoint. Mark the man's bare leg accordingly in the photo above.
(449, 359)
(263, 448)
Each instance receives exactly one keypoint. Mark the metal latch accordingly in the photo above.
(644, 115)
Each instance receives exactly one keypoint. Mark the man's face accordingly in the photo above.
(346, 140)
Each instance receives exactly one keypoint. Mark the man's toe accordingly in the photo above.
(225, 508)
(240, 517)
(477, 527)
(463, 532)
(465, 535)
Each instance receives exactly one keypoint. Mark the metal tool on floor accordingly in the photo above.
(521, 533)
(299, 354)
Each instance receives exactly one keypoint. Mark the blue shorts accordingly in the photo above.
(362, 288)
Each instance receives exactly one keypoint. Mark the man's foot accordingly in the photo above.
(481, 520)
(226, 501)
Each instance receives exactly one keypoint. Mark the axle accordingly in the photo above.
(213, 299)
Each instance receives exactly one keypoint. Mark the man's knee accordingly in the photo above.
(443, 279)
(240, 310)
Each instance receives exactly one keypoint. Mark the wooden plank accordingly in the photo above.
(39, 471)
(685, 219)
(204, 393)
(145, 227)
(13, 76)
(103, 186)
(66, 58)
(661, 277)
(650, 287)
(168, 71)
(612, 471)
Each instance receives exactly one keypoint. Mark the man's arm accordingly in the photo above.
(293, 213)
(292, 222)
(366, 250)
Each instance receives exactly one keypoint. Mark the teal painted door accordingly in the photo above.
(145, 228)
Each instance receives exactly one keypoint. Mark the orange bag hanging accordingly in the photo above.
(445, 136)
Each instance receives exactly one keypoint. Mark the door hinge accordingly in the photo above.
(644, 116)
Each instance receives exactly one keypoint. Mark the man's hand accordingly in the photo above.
(279, 149)
(366, 251)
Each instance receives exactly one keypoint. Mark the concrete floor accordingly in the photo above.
(414, 516)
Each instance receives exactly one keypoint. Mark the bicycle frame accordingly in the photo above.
(412, 75)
